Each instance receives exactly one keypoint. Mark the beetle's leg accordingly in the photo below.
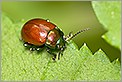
(61, 51)
(60, 54)
(38, 48)
(54, 57)
(50, 52)
(26, 44)
(32, 47)
(29, 46)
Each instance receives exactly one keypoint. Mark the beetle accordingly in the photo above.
(39, 33)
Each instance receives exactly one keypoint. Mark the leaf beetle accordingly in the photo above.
(39, 33)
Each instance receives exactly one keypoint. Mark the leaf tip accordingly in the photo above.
(103, 36)
(100, 50)
(84, 44)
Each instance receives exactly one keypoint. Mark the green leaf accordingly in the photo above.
(109, 14)
(21, 64)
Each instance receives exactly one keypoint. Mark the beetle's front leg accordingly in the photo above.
(50, 52)
(61, 51)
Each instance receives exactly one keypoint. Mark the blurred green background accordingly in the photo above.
(69, 16)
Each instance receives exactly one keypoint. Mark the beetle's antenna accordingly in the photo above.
(70, 36)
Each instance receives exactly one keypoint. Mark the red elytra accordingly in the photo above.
(35, 31)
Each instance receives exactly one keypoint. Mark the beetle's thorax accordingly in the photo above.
(52, 37)
(55, 39)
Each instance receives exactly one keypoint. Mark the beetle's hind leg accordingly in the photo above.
(29, 46)
(32, 47)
